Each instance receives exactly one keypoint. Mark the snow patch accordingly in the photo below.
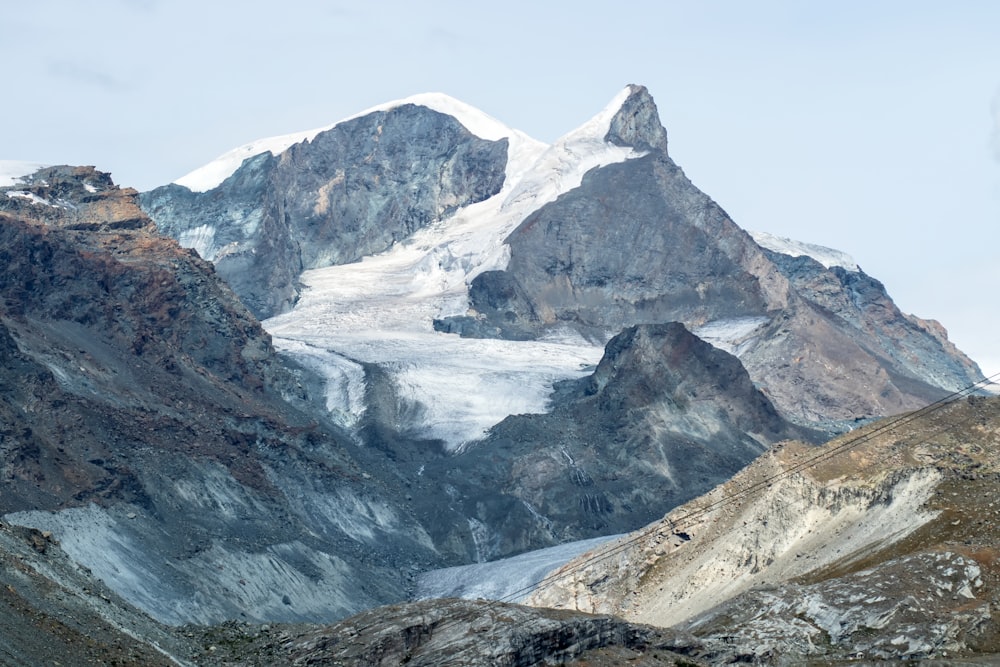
(13, 172)
(733, 335)
(828, 257)
(474, 120)
(32, 197)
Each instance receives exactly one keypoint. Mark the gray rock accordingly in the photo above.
(352, 191)
(664, 417)
(875, 614)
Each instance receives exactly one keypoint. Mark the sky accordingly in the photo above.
(870, 127)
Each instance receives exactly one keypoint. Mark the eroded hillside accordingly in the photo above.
(883, 542)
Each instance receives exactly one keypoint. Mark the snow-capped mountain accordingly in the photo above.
(444, 273)
(476, 345)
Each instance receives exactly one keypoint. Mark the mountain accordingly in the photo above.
(452, 343)
(882, 544)
(148, 423)
(349, 191)
(475, 345)
(663, 416)
(595, 233)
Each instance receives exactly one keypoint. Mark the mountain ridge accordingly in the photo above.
(474, 346)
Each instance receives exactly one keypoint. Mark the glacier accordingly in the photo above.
(507, 579)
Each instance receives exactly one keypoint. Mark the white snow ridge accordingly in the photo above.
(211, 175)
(828, 257)
(382, 308)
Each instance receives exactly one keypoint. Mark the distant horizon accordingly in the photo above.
(869, 129)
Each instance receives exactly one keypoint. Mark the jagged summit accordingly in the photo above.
(637, 123)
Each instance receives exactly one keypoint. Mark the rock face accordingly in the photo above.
(352, 191)
(53, 612)
(149, 425)
(664, 417)
(878, 613)
(881, 544)
(460, 632)
(638, 243)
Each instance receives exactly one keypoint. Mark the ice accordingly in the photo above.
(381, 309)
(454, 389)
(201, 238)
(508, 579)
(733, 335)
(345, 379)
(12, 172)
(828, 257)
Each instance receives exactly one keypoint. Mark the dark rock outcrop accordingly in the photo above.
(664, 417)
(351, 191)
(467, 633)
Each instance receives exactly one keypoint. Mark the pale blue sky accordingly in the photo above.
(866, 126)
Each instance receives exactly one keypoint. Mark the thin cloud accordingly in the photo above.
(88, 76)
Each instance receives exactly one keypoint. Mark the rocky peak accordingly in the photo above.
(637, 123)
(353, 190)
(80, 198)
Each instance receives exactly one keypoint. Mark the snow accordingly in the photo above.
(507, 579)
(30, 196)
(345, 379)
(475, 121)
(381, 309)
(12, 172)
(215, 172)
(201, 238)
(733, 335)
(828, 257)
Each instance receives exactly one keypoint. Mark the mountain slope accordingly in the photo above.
(150, 426)
(638, 243)
(663, 418)
(792, 559)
